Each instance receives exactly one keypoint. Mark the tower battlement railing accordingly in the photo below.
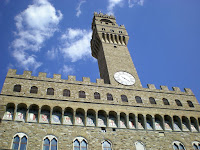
(12, 73)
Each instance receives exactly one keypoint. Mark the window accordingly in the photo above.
(190, 104)
(178, 102)
(82, 94)
(96, 95)
(109, 97)
(50, 91)
(152, 100)
(103, 29)
(17, 88)
(196, 145)
(66, 93)
(165, 101)
(19, 141)
(50, 143)
(80, 143)
(138, 99)
(120, 31)
(139, 145)
(34, 90)
(124, 98)
(178, 146)
(106, 145)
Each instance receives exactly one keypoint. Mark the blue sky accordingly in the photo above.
(53, 36)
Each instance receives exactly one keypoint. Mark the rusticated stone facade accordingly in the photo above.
(37, 107)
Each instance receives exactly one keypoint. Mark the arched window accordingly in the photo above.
(34, 90)
(19, 141)
(178, 102)
(124, 98)
(139, 145)
(196, 145)
(106, 145)
(80, 143)
(82, 94)
(8, 115)
(17, 88)
(50, 143)
(96, 95)
(138, 99)
(109, 97)
(165, 101)
(50, 91)
(190, 104)
(178, 145)
(152, 100)
(66, 92)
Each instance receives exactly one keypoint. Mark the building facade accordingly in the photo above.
(115, 113)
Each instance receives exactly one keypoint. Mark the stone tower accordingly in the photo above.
(109, 47)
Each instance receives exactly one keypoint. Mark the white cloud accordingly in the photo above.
(25, 60)
(76, 44)
(113, 3)
(34, 25)
(66, 70)
(52, 54)
(78, 9)
(132, 3)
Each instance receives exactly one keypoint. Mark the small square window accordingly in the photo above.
(103, 129)
(114, 129)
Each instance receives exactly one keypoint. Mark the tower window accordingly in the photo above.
(50, 91)
(109, 97)
(17, 88)
(80, 144)
(112, 30)
(82, 94)
(66, 93)
(19, 141)
(103, 29)
(106, 145)
(178, 102)
(34, 90)
(165, 101)
(152, 100)
(120, 31)
(124, 98)
(96, 95)
(50, 143)
(190, 104)
(138, 99)
(178, 146)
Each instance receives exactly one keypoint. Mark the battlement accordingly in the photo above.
(86, 80)
(104, 15)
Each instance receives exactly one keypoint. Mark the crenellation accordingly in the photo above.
(57, 76)
(151, 86)
(27, 74)
(71, 78)
(12, 72)
(42, 75)
(176, 89)
(100, 81)
(165, 88)
(86, 80)
(189, 91)
(104, 15)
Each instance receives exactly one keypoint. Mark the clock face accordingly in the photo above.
(124, 78)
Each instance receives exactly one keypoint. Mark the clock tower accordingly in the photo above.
(109, 47)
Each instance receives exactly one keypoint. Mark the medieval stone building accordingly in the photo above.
(114, 113)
